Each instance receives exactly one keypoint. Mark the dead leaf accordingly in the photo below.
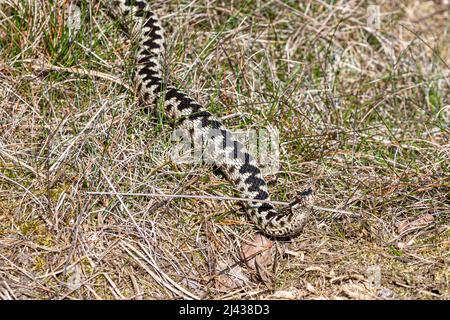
(230, 276)
(257, 252)
(422, 221)
(292, 294)
(357, 291)
(257, 255)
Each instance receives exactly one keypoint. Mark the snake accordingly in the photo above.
(231, 157)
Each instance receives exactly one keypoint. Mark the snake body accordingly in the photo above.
(230, 155)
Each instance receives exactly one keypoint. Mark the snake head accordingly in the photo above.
(304, 199)
(290, 220)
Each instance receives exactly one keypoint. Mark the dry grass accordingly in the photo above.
(363, 112)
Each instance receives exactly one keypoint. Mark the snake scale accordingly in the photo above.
(232, 158)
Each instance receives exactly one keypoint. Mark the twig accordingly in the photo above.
(187, 196)
(208, 197)
(39, 66)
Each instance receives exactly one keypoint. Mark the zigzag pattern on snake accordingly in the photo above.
(231, 156)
